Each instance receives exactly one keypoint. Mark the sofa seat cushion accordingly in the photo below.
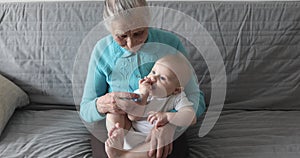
(248, 134)
(11, 97)
(45, 133)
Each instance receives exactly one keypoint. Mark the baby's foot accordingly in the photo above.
(114, 143)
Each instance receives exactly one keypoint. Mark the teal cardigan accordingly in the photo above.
(113, 68)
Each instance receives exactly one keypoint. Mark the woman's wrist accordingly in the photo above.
(99, 110)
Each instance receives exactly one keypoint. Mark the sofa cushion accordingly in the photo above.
(45, 133)
(11, 97)
(248, 134)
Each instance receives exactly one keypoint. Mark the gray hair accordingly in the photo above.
(113, 7)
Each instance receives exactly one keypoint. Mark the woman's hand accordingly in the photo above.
(161, 141)
(107, 102)
(131, 107)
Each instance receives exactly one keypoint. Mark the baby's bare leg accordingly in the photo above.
(122, 119)
(114, 143)
(114, 150)
(116, 125)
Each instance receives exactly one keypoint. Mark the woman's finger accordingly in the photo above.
(126, 95)
(153, 145)
(165, 151)
(160, 148)
(171, 148)
(106, 99)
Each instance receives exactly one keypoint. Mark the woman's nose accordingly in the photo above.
(130, 42)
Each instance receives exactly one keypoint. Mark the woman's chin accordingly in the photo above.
(135, 48)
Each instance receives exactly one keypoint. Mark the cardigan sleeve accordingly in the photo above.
(95, 86)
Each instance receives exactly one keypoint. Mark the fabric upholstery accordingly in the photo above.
(11, 97)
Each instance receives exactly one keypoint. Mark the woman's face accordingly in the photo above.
(130, 39)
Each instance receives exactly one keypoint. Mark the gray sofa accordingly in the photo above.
(44, 51)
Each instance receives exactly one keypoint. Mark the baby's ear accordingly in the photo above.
(178, 90)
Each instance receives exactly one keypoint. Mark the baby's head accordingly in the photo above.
(169, 75)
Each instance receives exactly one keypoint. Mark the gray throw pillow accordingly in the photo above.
(11, 97)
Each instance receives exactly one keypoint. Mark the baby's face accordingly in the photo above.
(164, 81)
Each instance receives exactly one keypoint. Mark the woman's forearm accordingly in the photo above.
(89, 112)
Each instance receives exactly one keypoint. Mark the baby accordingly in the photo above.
(161, 91)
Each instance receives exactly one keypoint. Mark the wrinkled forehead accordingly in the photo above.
(121, 27)
(128, 20)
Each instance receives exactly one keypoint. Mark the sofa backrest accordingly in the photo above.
(39, 42)
(259, 43)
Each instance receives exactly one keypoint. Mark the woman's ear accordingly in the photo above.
(178, 90)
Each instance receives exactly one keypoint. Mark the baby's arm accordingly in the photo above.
(144, 88)
(184, 117)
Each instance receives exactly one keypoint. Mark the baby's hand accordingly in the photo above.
(157, 118)
(145, 81)
(145, 85)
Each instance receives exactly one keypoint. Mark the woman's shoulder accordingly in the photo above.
(166, 37)
(106, 46)
(106, 50)
(105, 41)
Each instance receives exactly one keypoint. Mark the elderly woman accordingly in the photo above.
(120, 60)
